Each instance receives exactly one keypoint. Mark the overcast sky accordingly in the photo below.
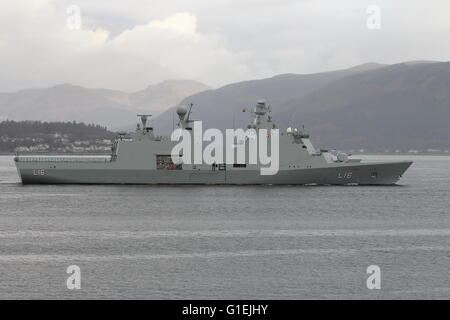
(130, 44)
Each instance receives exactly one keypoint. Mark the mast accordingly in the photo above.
(144, 118)
(183, 115)
(261, 118)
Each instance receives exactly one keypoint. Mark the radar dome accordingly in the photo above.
(181, 111)
(261, 101)
(342, 157)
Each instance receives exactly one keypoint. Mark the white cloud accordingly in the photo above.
(182, 23)
(42, 51)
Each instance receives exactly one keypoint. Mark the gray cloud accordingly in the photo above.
(129, 44)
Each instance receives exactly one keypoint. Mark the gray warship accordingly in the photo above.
(142, 157)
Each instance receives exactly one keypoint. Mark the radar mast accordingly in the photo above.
(144, 118)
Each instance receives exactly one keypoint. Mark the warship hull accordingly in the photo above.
(371, 173)
(145, 158)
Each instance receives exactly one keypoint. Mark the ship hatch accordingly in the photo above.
(164, 162)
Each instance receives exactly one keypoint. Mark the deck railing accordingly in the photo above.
(62, 159)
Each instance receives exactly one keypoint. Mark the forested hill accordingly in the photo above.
(77, 130)
(53, 136)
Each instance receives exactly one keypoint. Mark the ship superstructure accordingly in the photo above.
(142, 157)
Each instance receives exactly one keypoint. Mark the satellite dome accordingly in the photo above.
(261, 101)
(181, 111)
(342, 157)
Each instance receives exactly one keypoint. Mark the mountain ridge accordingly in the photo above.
(371, 106)
(402, 106)
(67, 102)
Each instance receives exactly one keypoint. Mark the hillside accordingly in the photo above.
(103, 106)
(219, 107)
(403, 106)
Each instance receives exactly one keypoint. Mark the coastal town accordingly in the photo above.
(73, 137)
(57, 137)
(58, 144)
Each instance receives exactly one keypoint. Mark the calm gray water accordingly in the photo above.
(266, 242)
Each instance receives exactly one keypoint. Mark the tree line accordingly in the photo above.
(75, 130)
